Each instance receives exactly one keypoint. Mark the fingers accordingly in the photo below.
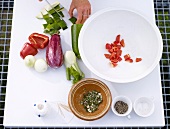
(71, 10)
(79, 17)
(85, 16)
(83, 9)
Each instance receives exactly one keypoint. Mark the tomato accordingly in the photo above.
(38, 40)
(28, 49)
(138, 59)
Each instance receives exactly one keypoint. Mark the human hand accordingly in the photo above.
(83, 8)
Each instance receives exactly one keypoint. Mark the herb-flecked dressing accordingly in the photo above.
(91, 100)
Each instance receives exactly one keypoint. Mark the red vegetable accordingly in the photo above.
(122, 43)
(28, 49)
(108, 46)
(115, 52)
(138, 59)
(38, 40)
(54, 53)
(117, 38)
(107, 56)
(127, 57)
(129, 60)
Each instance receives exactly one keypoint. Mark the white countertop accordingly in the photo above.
(25, 86)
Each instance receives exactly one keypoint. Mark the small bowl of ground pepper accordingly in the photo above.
(121, 106)
(89, 99)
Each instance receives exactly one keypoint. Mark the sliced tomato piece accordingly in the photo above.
(122, 43)
(118, 38)
(138, 59)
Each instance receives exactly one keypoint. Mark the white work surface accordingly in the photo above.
(25, 86)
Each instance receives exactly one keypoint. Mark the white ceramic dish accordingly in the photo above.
(125, 100)
(144, 106)
(142, 39)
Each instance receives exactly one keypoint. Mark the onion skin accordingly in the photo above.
(54, 53)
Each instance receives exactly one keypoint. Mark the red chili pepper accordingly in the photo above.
(28, 49)
(38, 40)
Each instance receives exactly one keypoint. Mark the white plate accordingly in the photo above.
(142, 39)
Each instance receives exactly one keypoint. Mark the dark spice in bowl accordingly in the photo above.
(121, 107)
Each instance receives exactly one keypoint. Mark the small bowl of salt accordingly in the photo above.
(122, 106)
(143, 106)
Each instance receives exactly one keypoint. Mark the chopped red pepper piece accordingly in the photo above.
(130, 60)
(119, 52)
(38, 40)
(138, 59)
(113, 64)
(115, 42)
(126, 57)
(108, 46)
(122, 43)
(118, 38)
(115, 52)
(107, 56)
(115, 49)
(119, 58)
(110, 50)
(114, 61)
(28, 49)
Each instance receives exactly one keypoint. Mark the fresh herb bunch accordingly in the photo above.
(92, 100)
